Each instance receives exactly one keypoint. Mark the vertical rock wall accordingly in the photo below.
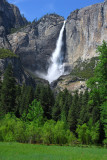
(85, 30)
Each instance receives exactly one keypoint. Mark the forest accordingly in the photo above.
(37, 115)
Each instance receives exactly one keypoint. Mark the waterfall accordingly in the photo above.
(56, 68)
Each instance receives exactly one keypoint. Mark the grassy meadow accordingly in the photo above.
(18, 151)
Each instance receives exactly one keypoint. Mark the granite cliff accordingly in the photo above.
(85, 30)
(10, 16)
(36, 42)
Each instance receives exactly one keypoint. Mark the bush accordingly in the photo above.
(48, 132)
(33, 133)
(15, 129)
(60, 133)
(71, 139)
(88, 133)
(19, 131)
(6, 53)
(12, 129)
(7, 129)
(105, 142)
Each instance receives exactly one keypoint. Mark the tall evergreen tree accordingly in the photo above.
(8, 93)
(84, 112)
(73, 112)
(98, 86)
(25, 99)
(46, 97)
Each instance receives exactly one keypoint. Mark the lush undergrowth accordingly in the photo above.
(17, 151)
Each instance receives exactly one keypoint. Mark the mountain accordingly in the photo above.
(34, 42)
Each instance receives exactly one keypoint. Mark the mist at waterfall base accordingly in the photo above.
(56, 68)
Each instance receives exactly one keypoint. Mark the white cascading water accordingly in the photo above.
(56, 69)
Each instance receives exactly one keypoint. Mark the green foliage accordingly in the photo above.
(84, 110)
(33, 132)
(6, 53)
(48, 132)
(8, 94)
(7, 129)
(61, 106)
(60, 133)
(14, 30)
(98, 87)
(35, 112)
(25, 96)
(56, 133)
(104, 119)
(15, 129)
(85, 114)
(45, 95)
(85, 69)
(98, 83)
(19, 131)
(88, 134)
(74, 112)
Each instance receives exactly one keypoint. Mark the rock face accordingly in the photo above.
(4, 43)
(36, 42)
(70, 82)
(85, 29)
(19, 73)
(10, 16)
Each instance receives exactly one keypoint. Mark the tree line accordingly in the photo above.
(37, 116)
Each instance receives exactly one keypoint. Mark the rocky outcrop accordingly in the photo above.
(4, 43)
(19, 73)
(70, 82)
(36, 42)
(85, 30)
(10, 16)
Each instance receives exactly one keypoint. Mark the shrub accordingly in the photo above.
(60, 133)
(48, 132)
(19, 131)
(71, 139)
(7, 129)
(88, 133)
(6, 53)
(33, 132)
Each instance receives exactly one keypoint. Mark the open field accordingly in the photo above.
(17, 151)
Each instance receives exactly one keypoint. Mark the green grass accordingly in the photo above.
(17, 151)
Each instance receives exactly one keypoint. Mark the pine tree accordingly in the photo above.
(8, 93)
(98, 87)
(73, 112)
(45, 95)
(25, 99)
(84, 112)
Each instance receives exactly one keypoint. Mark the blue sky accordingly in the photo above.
(37, 8)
